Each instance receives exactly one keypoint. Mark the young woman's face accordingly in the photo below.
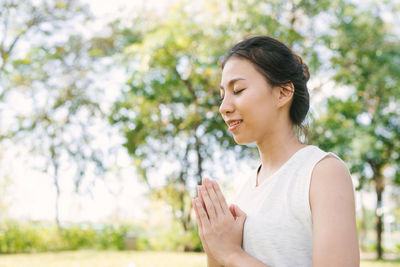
(250, 99)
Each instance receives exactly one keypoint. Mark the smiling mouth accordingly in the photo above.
(235, 125)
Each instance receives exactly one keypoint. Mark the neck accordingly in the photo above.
(276, 148)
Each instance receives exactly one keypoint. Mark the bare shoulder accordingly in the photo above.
(333, 214)
(330, 163)
(331, 176)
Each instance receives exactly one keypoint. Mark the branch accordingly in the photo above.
(5, 28)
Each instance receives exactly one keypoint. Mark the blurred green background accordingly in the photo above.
(109, 119)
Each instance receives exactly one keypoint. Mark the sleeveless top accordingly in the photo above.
(278, 226)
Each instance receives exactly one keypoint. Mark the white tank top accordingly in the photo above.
(278, 226)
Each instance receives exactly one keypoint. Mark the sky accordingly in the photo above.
(31, 194)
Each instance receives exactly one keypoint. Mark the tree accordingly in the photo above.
(47, 64)
(364, 126)
(169, 110)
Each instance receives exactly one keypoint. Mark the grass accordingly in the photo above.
(104, 259)
(126, 259)
(381, 263)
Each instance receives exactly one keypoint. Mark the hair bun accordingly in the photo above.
(304, 66)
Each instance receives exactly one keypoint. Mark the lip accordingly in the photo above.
(232, 128)
(232, 120)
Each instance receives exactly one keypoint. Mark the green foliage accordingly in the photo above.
(169, 110)
(397, 249)
(172, 237)
(40, 236)
(56, 79)
(363, 126)
(111, 236)
(16, 237)
(76, 237)
(26, 237)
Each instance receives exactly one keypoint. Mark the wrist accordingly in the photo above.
(233, 259)
(212, 262)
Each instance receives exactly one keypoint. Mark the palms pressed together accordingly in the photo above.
(220, 226)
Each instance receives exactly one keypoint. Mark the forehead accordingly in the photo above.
(237, 68)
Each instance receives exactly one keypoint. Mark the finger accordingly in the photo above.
(201, 198)
(197, 213)
(232, 209)
(241, 215)
(209, 205)
(199, 221)
(221, 197)
(205, 223)
(239, 212)
(214, 198)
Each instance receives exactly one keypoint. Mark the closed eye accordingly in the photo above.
(235, 93)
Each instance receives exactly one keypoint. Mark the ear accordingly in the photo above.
(286, 92)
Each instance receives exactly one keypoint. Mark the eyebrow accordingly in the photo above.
(231, 82)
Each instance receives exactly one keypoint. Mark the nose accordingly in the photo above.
(226, 106)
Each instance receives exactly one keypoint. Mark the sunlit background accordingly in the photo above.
(109, 110)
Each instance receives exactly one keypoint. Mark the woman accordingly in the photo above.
(299, 207)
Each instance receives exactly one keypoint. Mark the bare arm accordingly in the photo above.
(211, 262)
(243, 259)
(333, 215)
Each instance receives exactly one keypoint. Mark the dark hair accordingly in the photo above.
(280, 65)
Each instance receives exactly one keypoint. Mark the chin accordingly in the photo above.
(241, 141)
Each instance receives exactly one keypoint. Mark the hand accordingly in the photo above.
(220, 227)
(200, 198)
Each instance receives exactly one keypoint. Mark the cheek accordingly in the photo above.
(261, 114)
(261, 106)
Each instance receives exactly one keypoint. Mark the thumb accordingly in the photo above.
(232, 209)
(241, 215)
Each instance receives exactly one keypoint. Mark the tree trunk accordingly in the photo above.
(185, 218)
(56, 184)
(199, 159)
(379, 214)
(187, 224)
(54, 162)
(363, 227)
